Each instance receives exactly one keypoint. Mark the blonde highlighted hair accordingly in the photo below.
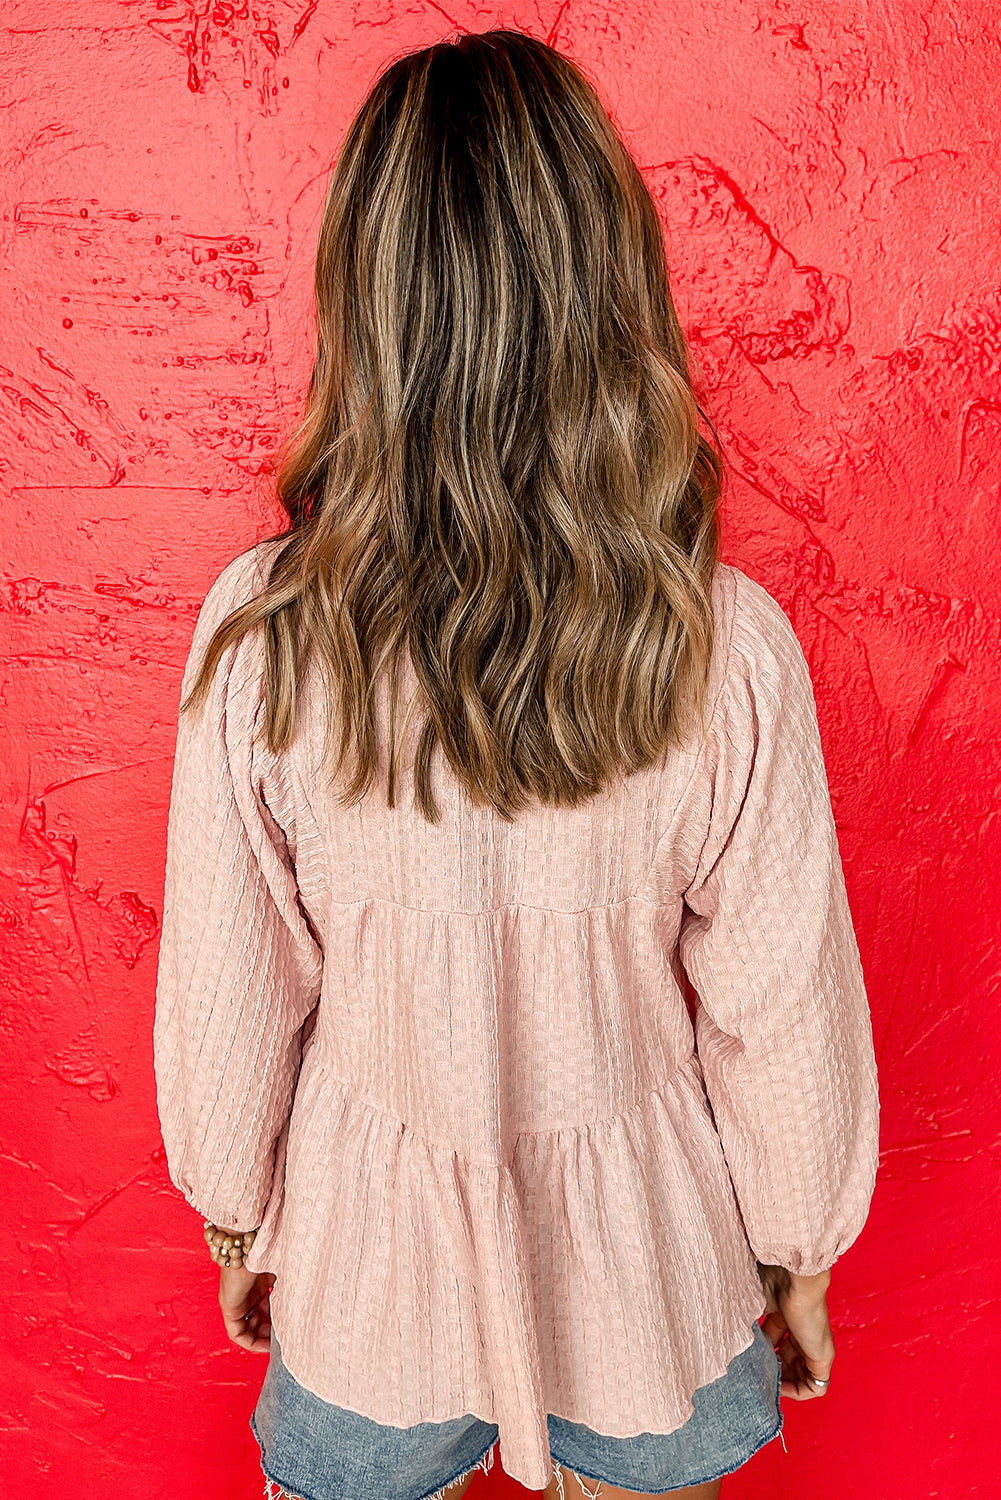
(502, 468)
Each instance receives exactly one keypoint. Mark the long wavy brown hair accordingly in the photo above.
(502, 467)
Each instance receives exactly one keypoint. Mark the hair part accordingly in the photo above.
(501, 468)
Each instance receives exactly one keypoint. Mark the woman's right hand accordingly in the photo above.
(799, 1327)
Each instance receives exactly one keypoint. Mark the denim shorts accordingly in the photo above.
(312, 1449)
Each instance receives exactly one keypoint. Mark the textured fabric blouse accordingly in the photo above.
(499, 1162)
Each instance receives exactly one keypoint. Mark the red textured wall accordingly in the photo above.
(828, 177)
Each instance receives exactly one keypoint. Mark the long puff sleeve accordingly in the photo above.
(783, 1029)
(239, 966)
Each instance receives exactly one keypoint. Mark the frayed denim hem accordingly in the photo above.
(273, 1489)
(685, 1484)
(776, 1432)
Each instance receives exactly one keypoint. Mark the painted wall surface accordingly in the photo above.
(828, 179)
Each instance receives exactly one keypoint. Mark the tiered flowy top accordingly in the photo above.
(501, 1163)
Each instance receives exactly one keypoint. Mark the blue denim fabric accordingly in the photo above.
(322, 1452)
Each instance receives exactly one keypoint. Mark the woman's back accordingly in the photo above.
(495, 1165)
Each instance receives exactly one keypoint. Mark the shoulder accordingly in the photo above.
(757, 627)
(764, 659)
(238, 582)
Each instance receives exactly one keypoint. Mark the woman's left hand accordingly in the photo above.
(244, 1297)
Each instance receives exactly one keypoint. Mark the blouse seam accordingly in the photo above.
(352, 1094)
(487, 911)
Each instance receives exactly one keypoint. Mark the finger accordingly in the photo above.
(252, 1344)
(793, 1382)
(258, 1324)
(244, 1299)
(237, 1294)
(800, 1382)
(818, 1378)
(795, 1385)
(774, 1328)
(255, 1340)
(789, 1353)
(800, 1390)
(262, 1317)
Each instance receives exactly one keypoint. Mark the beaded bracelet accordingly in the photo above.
(227, 1249)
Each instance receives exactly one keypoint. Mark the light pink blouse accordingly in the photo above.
(500, 1170)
